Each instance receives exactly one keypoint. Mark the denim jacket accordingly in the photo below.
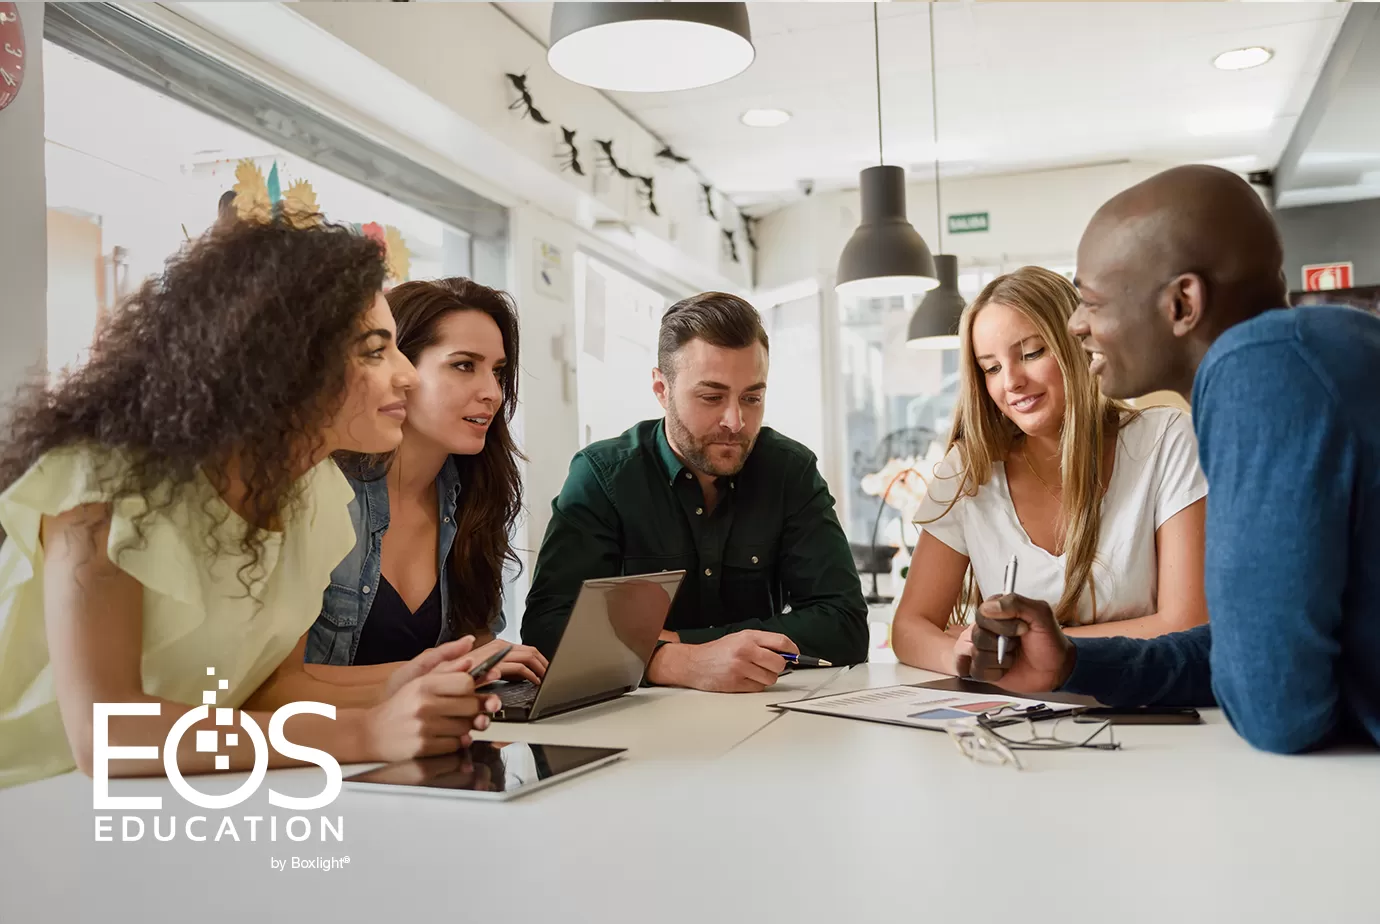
(334, 637)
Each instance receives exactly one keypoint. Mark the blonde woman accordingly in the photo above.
(1103, 506)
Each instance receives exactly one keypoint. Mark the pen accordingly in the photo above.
(1008, 587)
(479, 670)
(805, 660)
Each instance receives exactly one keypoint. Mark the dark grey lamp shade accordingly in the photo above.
(886, 255)
(934, 325)
(649, 47)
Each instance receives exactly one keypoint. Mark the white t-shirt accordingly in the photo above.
(1155, 475)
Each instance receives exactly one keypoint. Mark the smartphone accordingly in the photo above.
(1142, 715)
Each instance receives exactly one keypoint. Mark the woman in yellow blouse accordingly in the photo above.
(171, 514)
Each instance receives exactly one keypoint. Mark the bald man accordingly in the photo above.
(1182, 284)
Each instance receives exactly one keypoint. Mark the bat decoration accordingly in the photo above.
(709, 200)
(747, 230)
(667, 154)
(571, 153)
(608, 160)
(524, 100)
(647, 193)
(732, 245)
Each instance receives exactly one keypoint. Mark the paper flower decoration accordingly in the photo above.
(252, 202)
(399, 258)
(299, 205)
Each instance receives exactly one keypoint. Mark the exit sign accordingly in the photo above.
(972, 221)
(1323, 277)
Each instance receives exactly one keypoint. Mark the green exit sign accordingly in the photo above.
(973, 221)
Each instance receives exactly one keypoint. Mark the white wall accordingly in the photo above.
(618, 321)
(23, 234)
(547, 421)
(795, 385)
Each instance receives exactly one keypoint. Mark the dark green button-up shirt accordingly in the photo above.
(771, 556)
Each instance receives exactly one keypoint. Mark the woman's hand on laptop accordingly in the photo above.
(522, 663)
(742, 662)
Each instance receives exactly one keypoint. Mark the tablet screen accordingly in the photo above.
(493, 769)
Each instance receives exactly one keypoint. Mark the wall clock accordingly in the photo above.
(12, 63)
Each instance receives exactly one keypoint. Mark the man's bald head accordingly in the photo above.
(1165, 267)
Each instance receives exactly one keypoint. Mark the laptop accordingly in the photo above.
(604, 650)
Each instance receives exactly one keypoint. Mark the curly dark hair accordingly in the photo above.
(230, 362)
(492, 497)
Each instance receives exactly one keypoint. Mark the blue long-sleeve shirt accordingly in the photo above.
(1288, 429)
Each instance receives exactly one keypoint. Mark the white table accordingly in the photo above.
(727, 811)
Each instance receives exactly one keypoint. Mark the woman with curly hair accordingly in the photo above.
(433, 520)
(171, 514)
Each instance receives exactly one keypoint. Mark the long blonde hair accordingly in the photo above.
(985, 435)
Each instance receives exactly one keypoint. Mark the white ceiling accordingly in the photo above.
(1339, 160)
(1022, 86)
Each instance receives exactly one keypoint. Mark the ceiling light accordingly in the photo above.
(886, 255)
(1230, 122)
(934, 325)
(649, 47)
(765, 118)
(935, 321)
(1241, 58)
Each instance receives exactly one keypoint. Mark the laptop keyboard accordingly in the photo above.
(518, 694)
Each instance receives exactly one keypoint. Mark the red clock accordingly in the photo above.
(12, 61)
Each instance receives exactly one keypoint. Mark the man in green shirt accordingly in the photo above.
(741, 508)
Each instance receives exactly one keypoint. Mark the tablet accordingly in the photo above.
(492, 770)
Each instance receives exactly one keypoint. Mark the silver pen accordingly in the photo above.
(1008, 587)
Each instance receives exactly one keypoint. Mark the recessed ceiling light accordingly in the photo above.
(1241, 58)
(765, 118)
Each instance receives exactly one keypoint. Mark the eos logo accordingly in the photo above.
(209, 742)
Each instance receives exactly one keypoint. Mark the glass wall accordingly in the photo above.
(133, 174)
(897, 404)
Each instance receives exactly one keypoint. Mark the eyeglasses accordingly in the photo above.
(978, 739)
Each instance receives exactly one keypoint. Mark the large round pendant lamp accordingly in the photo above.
(934, 325)
(649, 47)
(886, 255)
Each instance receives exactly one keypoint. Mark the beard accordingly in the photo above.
(700, 452)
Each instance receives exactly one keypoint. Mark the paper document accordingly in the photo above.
(915, 706)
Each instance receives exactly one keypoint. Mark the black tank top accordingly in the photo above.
(392, 632)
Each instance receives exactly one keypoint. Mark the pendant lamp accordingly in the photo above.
(886, 255)
(649, 47)
(934, 325)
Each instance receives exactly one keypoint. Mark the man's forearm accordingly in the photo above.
(820, 631)
(1172, 670)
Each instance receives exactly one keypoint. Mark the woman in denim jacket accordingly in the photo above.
(432, 520)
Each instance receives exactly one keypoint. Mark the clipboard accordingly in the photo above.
(932, 706)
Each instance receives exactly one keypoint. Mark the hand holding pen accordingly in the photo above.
(803, 660)
(1018, 645)
(1008, 588)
